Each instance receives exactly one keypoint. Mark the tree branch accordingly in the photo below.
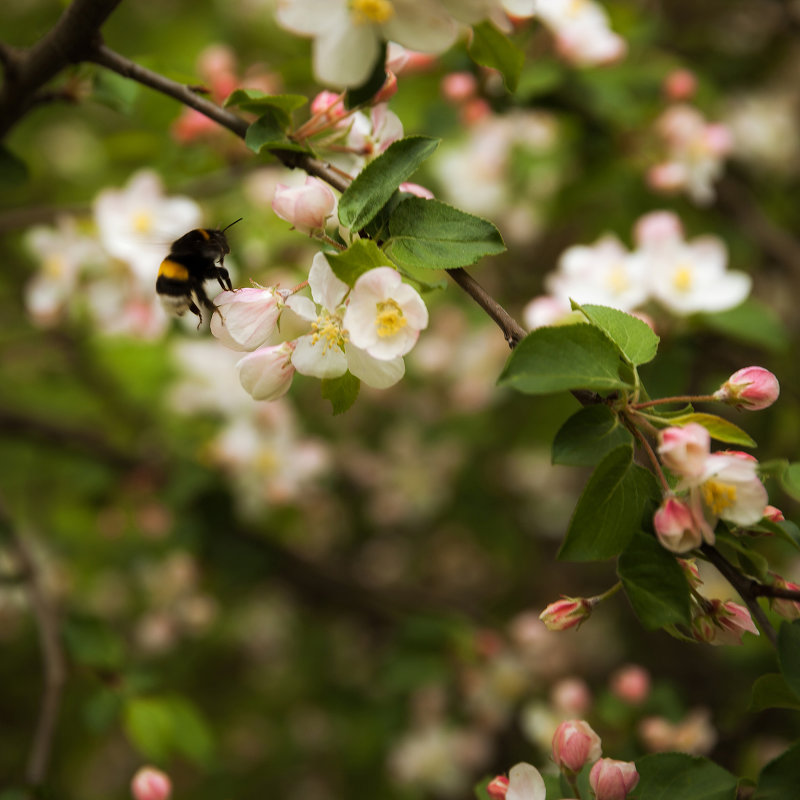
(54, 661)
(67, 42)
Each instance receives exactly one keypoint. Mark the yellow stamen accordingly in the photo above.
(389, 319)
(682, 279)
(142, 222)
(718, 496)
(55, 266)
(374, 11)
(327, 327)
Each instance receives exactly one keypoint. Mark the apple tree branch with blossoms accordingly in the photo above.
(669, 498)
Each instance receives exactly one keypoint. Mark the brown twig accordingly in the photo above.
(67, 42)
(54, 661)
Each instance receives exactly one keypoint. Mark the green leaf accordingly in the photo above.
(433, 235)
(342, 392)
(617, 499)
(789, 654)
(492, 48)
(377, 182)
(258, 102)
(654, 582)
(668, 776)
(161, 726)
(771, 691)
(635, 339)
(362, 256)
(750, 322)
(588, 436)
(269, 132)
(13, 170)
(91, 642)
(114, 91)
(148, 724)
(720, 429)
(562, 358)
(372, 85)
(780, 778)
(790, 480)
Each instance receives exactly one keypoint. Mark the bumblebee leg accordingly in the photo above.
(224, 279)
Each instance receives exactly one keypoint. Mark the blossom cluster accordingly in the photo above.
(365, 330)
(683, 276)
(574, 745)
(109, 268)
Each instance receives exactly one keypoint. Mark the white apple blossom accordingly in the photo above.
(691, 277)
(384, 315)
(348, 33)
(731, 489)
(325, 351)
(247, 317)
(581, 29)
(694, 153)
(603, 273)
(136, 224)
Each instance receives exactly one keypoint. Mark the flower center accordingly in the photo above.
(55, 266)
(389, 319)
(718, 496)
(327, 328)
(682, 279)
(142, 222)
(617, 279)
(375, 11)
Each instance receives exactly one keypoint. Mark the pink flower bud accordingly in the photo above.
(307, 207)
(575, 744)
(690, 570)
(150, 783)
(723, 623)
(773, 514)
(657, 228)
(497, 787)
(388, 90)
(267, 373)
(475, 110)
(684, 450)
(613, 780)
(680, 84)
(783, 606)
(752, 388)
(668, 177)
(631, 683)
(676, 526)
(571, 696)
(566, 613)
(247, 318)
(416, 189)
(459, 86)
(328, 104)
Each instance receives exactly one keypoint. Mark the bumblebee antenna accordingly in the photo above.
(232, 224)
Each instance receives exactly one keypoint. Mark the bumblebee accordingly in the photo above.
(192, 260)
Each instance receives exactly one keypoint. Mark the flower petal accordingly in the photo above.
(375, 373)
(318, 361)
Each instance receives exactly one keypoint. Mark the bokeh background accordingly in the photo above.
(267, 598)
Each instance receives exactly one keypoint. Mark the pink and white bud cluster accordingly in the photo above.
(752, 388)
(711, 486)
(723, 623)
(366, 330)
(694, 151)
(150, 783)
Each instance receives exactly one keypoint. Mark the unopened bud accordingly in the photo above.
(677, 528)
(680, 84)
(613, 780)
(388, 90)
(566, 613)
(773, 514)
(575, 744)
(752, 388)
(631, 683)
(783, 606)
(497, 787)
(307, 207)
(150, 783)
